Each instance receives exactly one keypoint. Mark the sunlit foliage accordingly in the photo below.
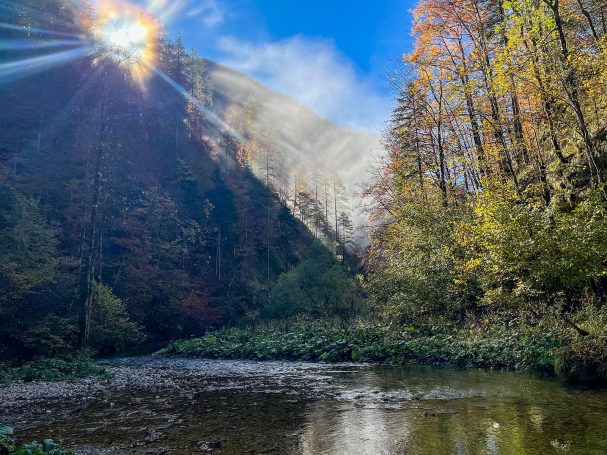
(490, 203)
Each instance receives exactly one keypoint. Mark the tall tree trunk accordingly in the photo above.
(471, 110)
(589, 20)
(91, 250)
(572, 89)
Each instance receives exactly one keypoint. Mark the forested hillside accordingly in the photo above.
(490, 205)
(129, 211)
(309, 145)
(207, 266)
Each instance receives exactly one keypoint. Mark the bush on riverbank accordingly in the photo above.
(516, 348)
(584, 360)
(52, 370)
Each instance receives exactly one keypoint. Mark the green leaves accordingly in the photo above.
(28, 250)
(47, 447)
(112, 328)
(411, 266)
(53, 370)
(5, 431)
(499, 347)
(543, 257)
(318, 286)
(584, 360)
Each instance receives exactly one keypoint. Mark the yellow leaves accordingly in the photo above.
(472, 264)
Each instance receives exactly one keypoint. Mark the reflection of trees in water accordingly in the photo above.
(252, 409)
(342, 427)
(334, 427)
(528, 416)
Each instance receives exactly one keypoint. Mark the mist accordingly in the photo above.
(301, 141)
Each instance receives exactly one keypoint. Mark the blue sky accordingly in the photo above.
(334, 56)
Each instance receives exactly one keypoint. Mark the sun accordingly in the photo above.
(127, 34)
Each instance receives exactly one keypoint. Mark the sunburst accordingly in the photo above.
(128, 34)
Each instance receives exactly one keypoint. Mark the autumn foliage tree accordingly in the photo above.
(491, 196)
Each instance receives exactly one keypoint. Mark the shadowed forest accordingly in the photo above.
(123, 220)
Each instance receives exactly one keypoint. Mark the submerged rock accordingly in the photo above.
(208, 446)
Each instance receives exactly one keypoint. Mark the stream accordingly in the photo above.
(155, 405)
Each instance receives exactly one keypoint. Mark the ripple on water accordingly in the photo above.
(176, 406)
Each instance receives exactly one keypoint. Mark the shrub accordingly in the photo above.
(47, 447)
(517, 348)
(9, 447)
(536, 259)
(318, 286)
(584, 360)
(7, 444)
(53, 370)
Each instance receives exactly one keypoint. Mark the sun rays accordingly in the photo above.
(25, 67)
(114, 31)
(33, 42)
(121, 31)
(128, 35)
(213, 119)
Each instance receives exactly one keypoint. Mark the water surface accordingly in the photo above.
(183, 406)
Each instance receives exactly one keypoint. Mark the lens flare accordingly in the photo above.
(218, 123)
(128, 35)
(13, 70)
(40, 31)
(33, 44)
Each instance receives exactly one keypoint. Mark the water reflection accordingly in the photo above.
(296, 408)
(358, 431)
(463, 413)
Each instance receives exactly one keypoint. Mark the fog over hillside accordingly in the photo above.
(302, 139)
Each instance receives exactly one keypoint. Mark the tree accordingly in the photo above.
(28, 252)
(319, 287)
(111, 328)
(534, 260)
(139, 202)
(492, 171)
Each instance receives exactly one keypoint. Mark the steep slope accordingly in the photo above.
(169, 217)
(121, 199)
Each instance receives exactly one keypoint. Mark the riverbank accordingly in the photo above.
(519, 348)
(157, 405)
(52, 369)
(169, 406)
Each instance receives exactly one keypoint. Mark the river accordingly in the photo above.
(188, 406)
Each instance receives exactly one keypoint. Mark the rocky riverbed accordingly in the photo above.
(155, 405)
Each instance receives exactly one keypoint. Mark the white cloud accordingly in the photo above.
(314, 73)
(210, 12)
